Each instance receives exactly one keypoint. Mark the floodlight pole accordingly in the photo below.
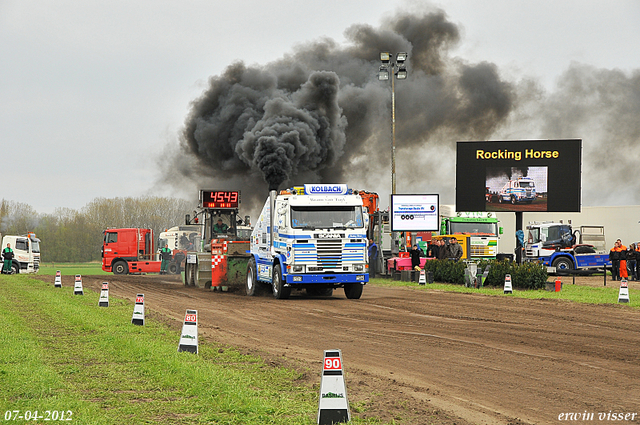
(394, 69)
(393, 135)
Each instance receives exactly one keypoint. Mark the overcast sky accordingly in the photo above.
(92, 91)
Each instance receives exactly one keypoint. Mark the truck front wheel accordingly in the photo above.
(252, 278)
(120, 267)
(562, 263)
(15, 268)
(353, 291)
(280, 292)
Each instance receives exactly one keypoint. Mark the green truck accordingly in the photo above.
(476, 232)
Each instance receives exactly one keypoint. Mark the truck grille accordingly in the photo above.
(329, 254)
(482, 251)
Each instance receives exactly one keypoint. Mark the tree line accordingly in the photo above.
(70, 235)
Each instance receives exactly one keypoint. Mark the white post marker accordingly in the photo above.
(189, 336)
(334, 405)
(423, 278)
(77, 287)
(138, 311)
(58, 281)
(623, 295)
(508, 289)
(104, 295)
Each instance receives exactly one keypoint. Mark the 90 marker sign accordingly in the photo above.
(332, 363)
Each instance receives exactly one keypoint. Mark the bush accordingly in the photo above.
(525, 276)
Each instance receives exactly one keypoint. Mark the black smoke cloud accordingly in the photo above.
(319, 114)
(507, 172)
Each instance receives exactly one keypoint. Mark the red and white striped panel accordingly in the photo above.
(215, 260)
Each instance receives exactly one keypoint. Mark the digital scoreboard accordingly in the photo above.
(221, 199)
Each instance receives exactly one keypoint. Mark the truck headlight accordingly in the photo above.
(298, 269)
(358, 267)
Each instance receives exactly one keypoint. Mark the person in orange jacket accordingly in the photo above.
(617, 255)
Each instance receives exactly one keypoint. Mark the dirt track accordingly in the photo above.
(428, 356)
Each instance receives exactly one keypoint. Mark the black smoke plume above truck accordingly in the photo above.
(320, 114)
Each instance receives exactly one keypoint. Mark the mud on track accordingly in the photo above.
(426, 356)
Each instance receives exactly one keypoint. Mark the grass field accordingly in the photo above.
(569, 292)
(72, 269)
(62, 353)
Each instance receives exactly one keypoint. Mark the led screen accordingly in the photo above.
(519, 175)
(414, 213)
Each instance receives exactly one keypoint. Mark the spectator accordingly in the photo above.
(166, 256)
(632, 261)
(455, 250)
(637, 261)
(373, 258)
(443, 250)
(7, 255)
(433, 248)
(616, 255)
(415, 258)
(519, 246)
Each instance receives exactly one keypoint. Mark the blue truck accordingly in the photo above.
(522, 190)
(557, 245)
(310, 237)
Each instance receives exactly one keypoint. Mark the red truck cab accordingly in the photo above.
(127, 251)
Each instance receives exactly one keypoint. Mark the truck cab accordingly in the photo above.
(26, 250)
(545, 238)
(129, 250)
(517, 191)
(180, 240)
(477, 233)
(557, 245)
(313, 238)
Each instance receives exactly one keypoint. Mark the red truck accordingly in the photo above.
(127, 251)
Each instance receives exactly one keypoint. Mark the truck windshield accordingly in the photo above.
(473, 228)
(551, 233)
(526, 184)
(35, 246)
(319, 217)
